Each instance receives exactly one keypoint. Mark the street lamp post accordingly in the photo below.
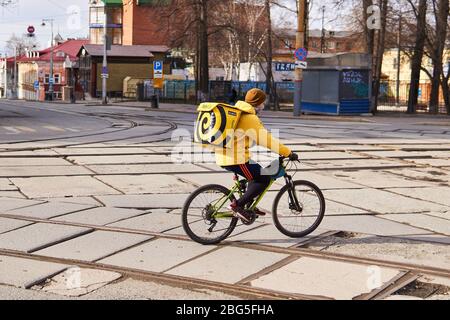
(300, 42)
(50, 80)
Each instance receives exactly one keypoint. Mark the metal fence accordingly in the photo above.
(393, 99)
(222, 91)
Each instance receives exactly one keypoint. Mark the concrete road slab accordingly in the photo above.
(369, 225)
(201, 179)
(150, 201)
(124, 159)
(270, 235)
(326, 278)
(48, 210)
(433, 238)
(433, 224)
(12, 194)
(42, 171)
(78, 200)
(433, 194)
(354, 164)
(145, 168)
(332, 208)
(238, 263)
(434, 175)
(394, 154)
(37, 236)
(379, 179)
(154, 222)
(12, 224)
(25, 273)
(158, 255)
(393, 249)
(381, 201)
(143, 184)
(329, 155)
(6, 185)
(99, 216)
(353, 147)
(101, 151)
(76, 282)
(435, 162)
(93, 246)
(7, 204)
(41, 187)
(30, 161)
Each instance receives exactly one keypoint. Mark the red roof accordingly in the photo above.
(70, 48)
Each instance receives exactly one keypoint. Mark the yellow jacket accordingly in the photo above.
(249, 131)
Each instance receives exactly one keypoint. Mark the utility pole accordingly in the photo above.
(299, 43)
(50, 80)
(14, 89)
(322, 39)
(105, 60)
(398, 59)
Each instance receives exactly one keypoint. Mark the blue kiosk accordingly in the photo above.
(337, 84)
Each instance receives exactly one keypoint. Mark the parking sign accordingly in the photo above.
(157, 69)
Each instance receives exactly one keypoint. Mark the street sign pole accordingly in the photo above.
(300, 42)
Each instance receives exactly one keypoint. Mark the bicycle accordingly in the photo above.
(217, 221)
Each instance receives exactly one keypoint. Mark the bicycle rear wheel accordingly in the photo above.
(200, 221)
(299, 223)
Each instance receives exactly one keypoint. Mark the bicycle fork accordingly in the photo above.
(294, 204)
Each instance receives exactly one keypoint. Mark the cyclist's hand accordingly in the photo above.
(293, 157)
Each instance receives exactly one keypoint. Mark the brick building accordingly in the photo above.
(35, 66)
(123, 61)
(130, 22)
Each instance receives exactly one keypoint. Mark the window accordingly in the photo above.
(331, 45)
(56, 77)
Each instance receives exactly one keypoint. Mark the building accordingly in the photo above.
(390, 77)
(34, 68)
(130, 22)
(123, 62)
(6, 77)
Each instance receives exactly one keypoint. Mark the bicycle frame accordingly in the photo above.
(238, 189)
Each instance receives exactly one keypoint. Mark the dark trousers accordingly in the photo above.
(257, 182)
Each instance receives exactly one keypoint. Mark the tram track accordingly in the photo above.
(292, 251)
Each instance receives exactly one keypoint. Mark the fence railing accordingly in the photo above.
(393, 99)
(222, 91)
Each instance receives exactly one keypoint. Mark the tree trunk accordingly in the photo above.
(438, 52)
(446, 92)
(270, 82)
(416, 61)
(203, 54)
(380, 52)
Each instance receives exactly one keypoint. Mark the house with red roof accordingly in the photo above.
(34, 68)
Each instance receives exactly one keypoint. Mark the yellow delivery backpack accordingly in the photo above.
(216, 124)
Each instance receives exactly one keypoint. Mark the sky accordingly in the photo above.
(71, 18)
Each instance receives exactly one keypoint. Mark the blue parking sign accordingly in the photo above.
(36, 84)
(158, 69)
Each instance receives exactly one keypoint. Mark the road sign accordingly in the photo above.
(51, 81)
(301, 64)
(31, 29)
(284, 66)
(36, 85)
(157, 69)
(301, 54)
(105, 76)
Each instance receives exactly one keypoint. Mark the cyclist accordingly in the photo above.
(250, 131)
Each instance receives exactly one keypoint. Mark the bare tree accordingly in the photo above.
(21, 44)
(416, 62)
(441, 11)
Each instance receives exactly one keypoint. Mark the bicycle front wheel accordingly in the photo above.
(206, 217)
(297, 220)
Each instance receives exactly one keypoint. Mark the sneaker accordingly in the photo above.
(240, 212)
(260, 212)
